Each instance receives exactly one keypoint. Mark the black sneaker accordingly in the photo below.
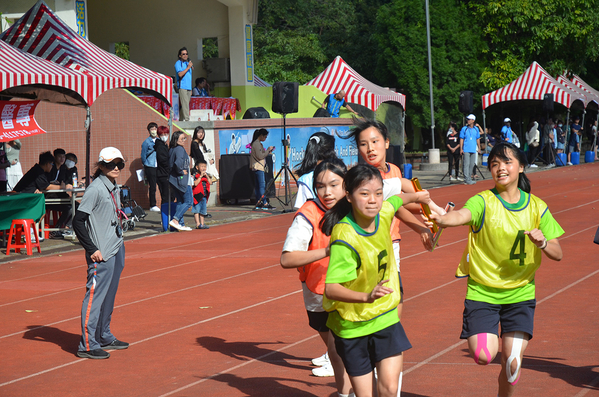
(96, 354)
(116, 345)
(208, 216)
(56, 235)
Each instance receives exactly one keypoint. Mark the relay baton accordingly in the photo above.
(425, 208)
(450, 206)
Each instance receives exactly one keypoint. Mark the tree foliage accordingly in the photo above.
(558, 34)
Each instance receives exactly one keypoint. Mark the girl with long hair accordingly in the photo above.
(258, 167)
(510, 230)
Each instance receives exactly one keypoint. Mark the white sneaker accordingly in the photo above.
(534, 166)
(185, 228)
(451, 179)
(322, 360)
(155, 209)
(325, 370)
(175, 225)
(459, 179)
(569, 163)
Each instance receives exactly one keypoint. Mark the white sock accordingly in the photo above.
(399, 384)
(346, 395)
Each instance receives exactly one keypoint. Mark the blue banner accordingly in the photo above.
(80, 15)
(239, 141)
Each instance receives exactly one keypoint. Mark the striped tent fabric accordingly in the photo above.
(258, 82)
(573, 87)
(340, 76)
(533, 84)
(21, 74)
(40, 32)
(587, 88)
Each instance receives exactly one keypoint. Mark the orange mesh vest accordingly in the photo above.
(315, 273)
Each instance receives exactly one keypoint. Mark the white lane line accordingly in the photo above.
(144, 273)
(176, 330)
(239, 366)
(588, 388)
(145, 299)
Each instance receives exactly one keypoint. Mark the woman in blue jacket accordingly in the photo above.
(179, 179)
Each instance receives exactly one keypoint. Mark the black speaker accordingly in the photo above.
(321, 113)
(256, 113)
(548, 103)
(285, 97)
(465, 104)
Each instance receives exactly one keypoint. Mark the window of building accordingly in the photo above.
(120, 49)
(207, 48)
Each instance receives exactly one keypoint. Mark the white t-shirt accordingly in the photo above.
(304, 189)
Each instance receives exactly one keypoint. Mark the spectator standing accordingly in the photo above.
(196, 154)
(184, 68)
(506, 130)
(561, 137)
(258, 167)
(15, 172)
(574, 142)
(533, 138)
(470, 146)
(206, 153)
(334, 102)
(162, 163)
(548, 138)
(453, 153)
(179, 179)
(98, 227)
(202, 88)
(148, 159)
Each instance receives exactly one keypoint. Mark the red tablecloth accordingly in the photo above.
(221, 106)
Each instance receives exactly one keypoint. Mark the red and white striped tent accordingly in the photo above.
(258, 82)
(587, 88)
(40, 32)
(340, 76)
(533, 84)
(573, 87)
(25, 75)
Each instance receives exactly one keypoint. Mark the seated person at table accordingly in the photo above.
(58, 173)
(202, 87)
(36, 180)
(71, 175)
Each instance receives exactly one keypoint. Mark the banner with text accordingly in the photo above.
(18, 120)
(239, 141)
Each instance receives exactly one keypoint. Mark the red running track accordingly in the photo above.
(211, 313)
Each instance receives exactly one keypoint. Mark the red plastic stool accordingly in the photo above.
(18, 228)
(55, 215)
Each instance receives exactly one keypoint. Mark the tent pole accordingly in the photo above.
(430, 74)
(88, 124)
(170, 134)
(566, 148)
(584, 113)
(485, 131)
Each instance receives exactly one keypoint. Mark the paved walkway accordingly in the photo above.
(223, 214)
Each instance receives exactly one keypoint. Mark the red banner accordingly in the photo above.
(17, 120)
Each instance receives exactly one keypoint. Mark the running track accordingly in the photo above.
(211, 313)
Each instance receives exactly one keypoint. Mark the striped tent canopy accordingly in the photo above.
(587, 88)
(258, 82)
(340, 76)
(573, 87)
(533, 84)
(27, 76)
(40, 32)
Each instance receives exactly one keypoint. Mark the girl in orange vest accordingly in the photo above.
(306, 248)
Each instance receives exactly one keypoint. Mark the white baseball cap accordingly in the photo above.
(471, 117)
(507, 120)
(110, 153)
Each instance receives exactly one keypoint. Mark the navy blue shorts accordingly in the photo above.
(318, 321)
(482, 317)
(361, 354)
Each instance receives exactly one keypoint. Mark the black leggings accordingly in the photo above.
(454, 158)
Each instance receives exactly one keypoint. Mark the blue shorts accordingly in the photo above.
(482, 317)
(361, 354)
(561, 146)
(318, 321)
(200, 208)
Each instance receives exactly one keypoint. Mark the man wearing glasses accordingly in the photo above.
(184, 68)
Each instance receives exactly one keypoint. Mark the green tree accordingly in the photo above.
(558, 34)
(403, 60)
